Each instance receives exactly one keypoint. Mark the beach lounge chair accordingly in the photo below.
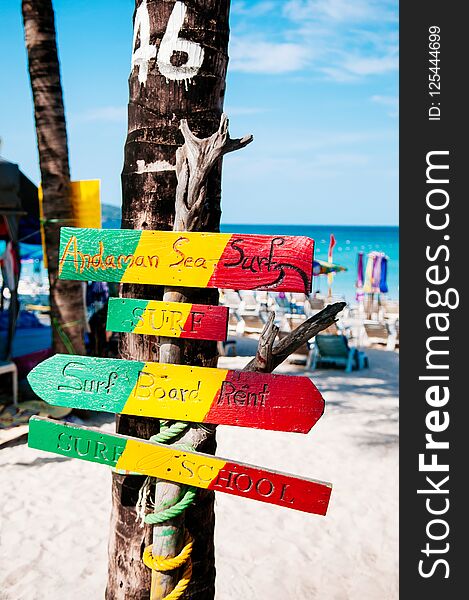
(334, 350)
(302, 355)
(298, 303)
(281, 301)
(391, 308)
(233, 322)
(313, 305)
(227, 348)
(10, 367)
(253, 323)
(380, 333)
(332, 329)
(316, 303)
(290, 321)
(230, 298)
(249, 303)
(263, 299)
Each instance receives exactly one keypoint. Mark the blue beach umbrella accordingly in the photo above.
(383, 283)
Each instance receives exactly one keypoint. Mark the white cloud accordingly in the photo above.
(371, 65)
(296, 168)
(253, 56)
(389, 102)
(344, 40)
(341, 10)
(115, 114)
(351, 68)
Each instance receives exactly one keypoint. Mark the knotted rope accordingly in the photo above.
(160, 563)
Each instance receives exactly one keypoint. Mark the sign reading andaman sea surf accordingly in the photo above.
(190, 468)
(244, 261)
(179, 392)
(169, 319)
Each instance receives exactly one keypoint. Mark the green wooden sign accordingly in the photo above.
(190, 468)
(167, 319)
(188, 259)
(179, 392)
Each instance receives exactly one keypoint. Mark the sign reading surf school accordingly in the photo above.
(190, 468)
(169, 319)
(179, 392)
(277, 263)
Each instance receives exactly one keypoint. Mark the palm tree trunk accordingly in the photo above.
(66, 297)
(161, 94)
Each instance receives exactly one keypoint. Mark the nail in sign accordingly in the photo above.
(190, 468)
(168, 319)
(241, 262)
(179, 392)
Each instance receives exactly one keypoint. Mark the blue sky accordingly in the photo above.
(315, 82)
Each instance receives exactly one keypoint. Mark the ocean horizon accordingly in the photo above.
(350, 240)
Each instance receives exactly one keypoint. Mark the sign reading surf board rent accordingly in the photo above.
(264, 262)
(179, 392)
(189, 468)
(168, 319)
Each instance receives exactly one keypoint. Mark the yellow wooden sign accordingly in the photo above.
(86, 206)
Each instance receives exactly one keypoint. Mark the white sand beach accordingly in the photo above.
(55, 511)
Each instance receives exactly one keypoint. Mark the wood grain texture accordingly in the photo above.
(179, 392)
(189, 468)
(187, 259)
(148, 202)
(66, 297)
(169, 319)
(196, 164)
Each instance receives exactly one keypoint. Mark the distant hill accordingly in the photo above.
(111, 216)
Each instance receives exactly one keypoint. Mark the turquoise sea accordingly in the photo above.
(350, 240)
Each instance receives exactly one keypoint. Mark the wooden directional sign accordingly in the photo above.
(179, 392)
(190, 468)
(169, 319)
(264, 262)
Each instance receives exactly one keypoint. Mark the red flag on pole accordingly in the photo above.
(331, 247)
(330, 277)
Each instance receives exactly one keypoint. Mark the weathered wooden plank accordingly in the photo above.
(180, 392)
(190, 468)
(169, 319)
(264, 262)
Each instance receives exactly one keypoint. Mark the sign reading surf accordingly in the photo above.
(190, 468)
(277, 263)
(168, 319)
(179, 392)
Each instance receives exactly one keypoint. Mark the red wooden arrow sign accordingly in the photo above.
(180, 392)
(191, 468)
(167, 319)
(227, 260)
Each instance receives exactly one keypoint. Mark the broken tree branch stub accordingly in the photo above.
(194, 161)
(304, 332)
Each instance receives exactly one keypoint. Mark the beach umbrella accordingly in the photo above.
(322, 267)
(376, 275)
(367, 284)
(330, 276)
(375, 278)
(383, 283)
(360, 278)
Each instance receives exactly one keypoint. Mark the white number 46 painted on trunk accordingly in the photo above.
(170, 43)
